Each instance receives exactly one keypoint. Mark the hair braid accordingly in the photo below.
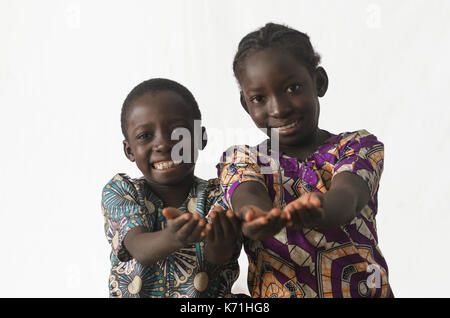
(277, 36)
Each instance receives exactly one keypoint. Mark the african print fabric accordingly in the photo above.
(127, 203)
(341, 262)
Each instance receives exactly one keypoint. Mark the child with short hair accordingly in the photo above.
(309, 225)
(156, 224)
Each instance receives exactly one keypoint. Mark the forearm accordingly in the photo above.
(251, 193)
(340, 207)
(150, 247)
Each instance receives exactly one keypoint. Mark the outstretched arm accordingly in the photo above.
(149, 247)
(252, 203)
(348, 194)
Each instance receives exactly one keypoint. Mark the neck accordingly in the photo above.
(306, 148)
(173, 195)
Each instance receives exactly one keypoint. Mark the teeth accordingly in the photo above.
(287, 126)
(166, 164)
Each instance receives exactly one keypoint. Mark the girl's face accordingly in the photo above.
(151, 121)
(279, 93)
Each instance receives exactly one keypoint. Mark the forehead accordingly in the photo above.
(272, 64)
(160, 107)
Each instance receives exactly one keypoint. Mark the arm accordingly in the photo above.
(348, 194)
(250, 193)
(253, 205)
(149, 247)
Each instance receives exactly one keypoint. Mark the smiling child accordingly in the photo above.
(310, 228)
(156, 224)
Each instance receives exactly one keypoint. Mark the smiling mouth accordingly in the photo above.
(164, 165)
(286, 127)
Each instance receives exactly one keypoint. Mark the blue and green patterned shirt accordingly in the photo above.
(127, 203)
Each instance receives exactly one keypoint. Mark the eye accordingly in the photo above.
(256, 99)
(294, 88)
(143, 136)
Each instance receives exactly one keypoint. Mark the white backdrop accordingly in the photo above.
(66, 66)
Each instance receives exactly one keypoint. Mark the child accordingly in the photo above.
(309, 225)
(158, 250)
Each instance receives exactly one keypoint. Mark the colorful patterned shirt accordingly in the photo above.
(341, 262)
(127, 203)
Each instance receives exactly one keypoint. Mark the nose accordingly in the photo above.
(162, 143)
(279, 107)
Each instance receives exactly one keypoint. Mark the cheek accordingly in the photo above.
(141, 154)
(259, 116)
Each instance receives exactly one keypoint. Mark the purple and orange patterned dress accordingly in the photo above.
(341, 262)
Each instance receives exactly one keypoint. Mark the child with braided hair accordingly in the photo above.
(307, 197)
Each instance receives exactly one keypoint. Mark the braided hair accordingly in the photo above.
(274, 35)
(154, 86)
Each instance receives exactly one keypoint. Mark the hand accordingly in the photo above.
(306, 211)
(260, 225)
(186, 228)
(222, 235)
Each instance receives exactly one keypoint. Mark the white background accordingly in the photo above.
(66, 67)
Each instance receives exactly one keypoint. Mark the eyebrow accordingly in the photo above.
(285, 79)
(141, 126)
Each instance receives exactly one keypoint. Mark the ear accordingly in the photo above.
(321, 81)
(204, 140)
(243, 103)
(128, 152)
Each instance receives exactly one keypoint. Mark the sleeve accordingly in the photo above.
(361, 153)
(238, 164)
(121, 212)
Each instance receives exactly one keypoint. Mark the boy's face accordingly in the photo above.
(151, 121)
(279, 93)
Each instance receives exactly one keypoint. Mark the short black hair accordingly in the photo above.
(156, 85)
(274, 35)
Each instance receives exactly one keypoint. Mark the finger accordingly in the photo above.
(256, 223)
(278, 219)
(217, 227)
(196, 217)
(209, 232)
(256, 229)
(224, 223)
(315, 201)
(212, 214)
(308, 199)
(254, 213)
(295, 205)
(235, 223)
(171, 213)
(196, 232)
(237, 215)
(177, 223)
(187, 229)
(249, 215)
(297, 220)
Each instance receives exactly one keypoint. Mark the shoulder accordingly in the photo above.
(120, 191)
(243, 155)
(237, 151)
(355, 140)
(122, 184)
